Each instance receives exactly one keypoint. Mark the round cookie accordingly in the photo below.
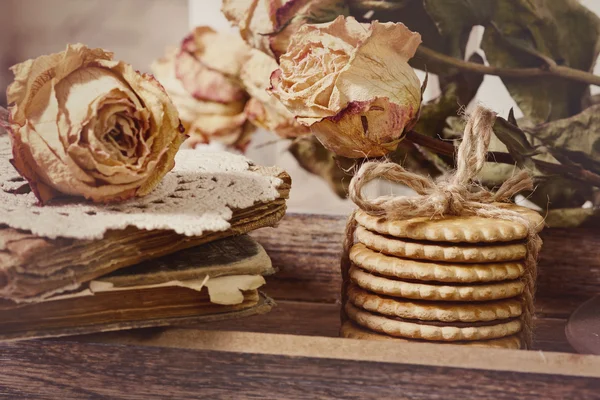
(440, 252)
(412, 330)
(381, 264)
(434, 311)
(424, 291)
(350, 330)
(469, 229)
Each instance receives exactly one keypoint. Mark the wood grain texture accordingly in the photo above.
(306, 249)
(569, 263)
(80, 370)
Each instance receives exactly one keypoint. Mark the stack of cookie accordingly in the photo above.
(458, 280)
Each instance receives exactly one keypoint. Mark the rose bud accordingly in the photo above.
(264, 110)
(82, 124)
(351, 84)
(267, 25)
(202, 78)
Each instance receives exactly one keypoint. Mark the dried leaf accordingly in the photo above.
(576, 138)
(457, 92)
(455, 19)
(573, 217)
(316, 159)
(591, 100)
(411, 13)
(526, 33)
(551, 191)
(515, 141)
(419, 160)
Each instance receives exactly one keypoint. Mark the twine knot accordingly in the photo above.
(453, 194)
(457, 193)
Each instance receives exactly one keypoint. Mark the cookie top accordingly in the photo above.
(427, 291)
(471, 229)
(350, 330)
(425, 331)
(434, 310)
(381, 264)
(432, 251)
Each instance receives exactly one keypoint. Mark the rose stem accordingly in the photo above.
(552, 70)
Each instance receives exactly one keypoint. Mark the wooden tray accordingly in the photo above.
(294, 351)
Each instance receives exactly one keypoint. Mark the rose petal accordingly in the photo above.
(208, 65)
(263, 109)
(364, 129)
(380, 68)
(32, 75)
(204, 120)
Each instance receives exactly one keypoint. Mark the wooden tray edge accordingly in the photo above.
(453, 356)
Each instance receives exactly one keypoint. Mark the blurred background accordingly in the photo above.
(138, 31)
(135, 30)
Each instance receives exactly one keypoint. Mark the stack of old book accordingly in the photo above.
(178, 255)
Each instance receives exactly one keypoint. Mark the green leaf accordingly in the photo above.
(528, 33)
(316, 159)
(576, 138)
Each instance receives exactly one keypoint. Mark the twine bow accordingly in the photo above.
(454, 194)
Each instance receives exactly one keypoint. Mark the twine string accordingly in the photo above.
(456, 193)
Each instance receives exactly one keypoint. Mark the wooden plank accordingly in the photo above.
(417, 353)
(287, 317)
(549, 335)
(321, 319)
(306, 249)
(51, 370)
(569, 263)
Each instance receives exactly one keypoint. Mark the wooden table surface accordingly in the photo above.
(294, 352)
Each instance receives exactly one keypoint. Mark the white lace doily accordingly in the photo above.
(198, 195)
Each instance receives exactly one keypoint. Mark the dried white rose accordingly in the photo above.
(202, 78)
(83, 124)
(351, 84)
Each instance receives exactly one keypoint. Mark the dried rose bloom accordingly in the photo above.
(351, 84)
(83, 124)
(202, 78)
(263, 109)
(208, 65)
(268, 24)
